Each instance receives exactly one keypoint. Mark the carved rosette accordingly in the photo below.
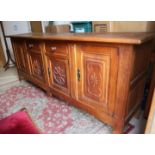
(59, 75)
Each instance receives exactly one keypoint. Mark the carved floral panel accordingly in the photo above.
(37, 66)
(59, 74)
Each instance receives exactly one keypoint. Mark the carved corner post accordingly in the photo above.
(47, 68)
(13, 43)
(126, 60)
(152, 85)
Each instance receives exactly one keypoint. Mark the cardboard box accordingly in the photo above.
(101, 26)
(57, 28)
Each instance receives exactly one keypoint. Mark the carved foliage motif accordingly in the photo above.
(37, 67)
(59, 74)
(93, 79)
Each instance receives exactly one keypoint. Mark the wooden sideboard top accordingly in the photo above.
(127, 38)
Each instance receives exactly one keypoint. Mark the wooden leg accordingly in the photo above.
(118, 127)
(118, 130)
(21, 78)
(49, 93)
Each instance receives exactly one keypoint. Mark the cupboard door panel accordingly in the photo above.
(95, 77)
(98, 74)
(37, 69)
(59, 74)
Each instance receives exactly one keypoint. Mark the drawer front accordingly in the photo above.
(33, 45)
(56, 48)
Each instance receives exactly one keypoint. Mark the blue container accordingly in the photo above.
(82, 26)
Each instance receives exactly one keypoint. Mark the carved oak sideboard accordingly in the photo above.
(103, 74)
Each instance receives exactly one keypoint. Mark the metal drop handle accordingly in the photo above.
(78, 74)
(49, 72)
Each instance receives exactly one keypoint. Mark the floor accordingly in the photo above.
(7, 76)
(137, 124)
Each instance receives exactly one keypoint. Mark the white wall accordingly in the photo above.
(15, 27)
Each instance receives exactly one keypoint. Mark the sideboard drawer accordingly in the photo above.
(33, 45)
(56, 48)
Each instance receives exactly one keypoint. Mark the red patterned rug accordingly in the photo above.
(49, 114)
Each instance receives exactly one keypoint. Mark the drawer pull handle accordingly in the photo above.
(53, 48)
(30, 45)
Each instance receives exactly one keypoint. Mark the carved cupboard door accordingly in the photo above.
(35, 50)
(58, 69)
(97, 76)
(36, 62)
(21, 55)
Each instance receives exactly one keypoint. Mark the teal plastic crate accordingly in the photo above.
(82, 27)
